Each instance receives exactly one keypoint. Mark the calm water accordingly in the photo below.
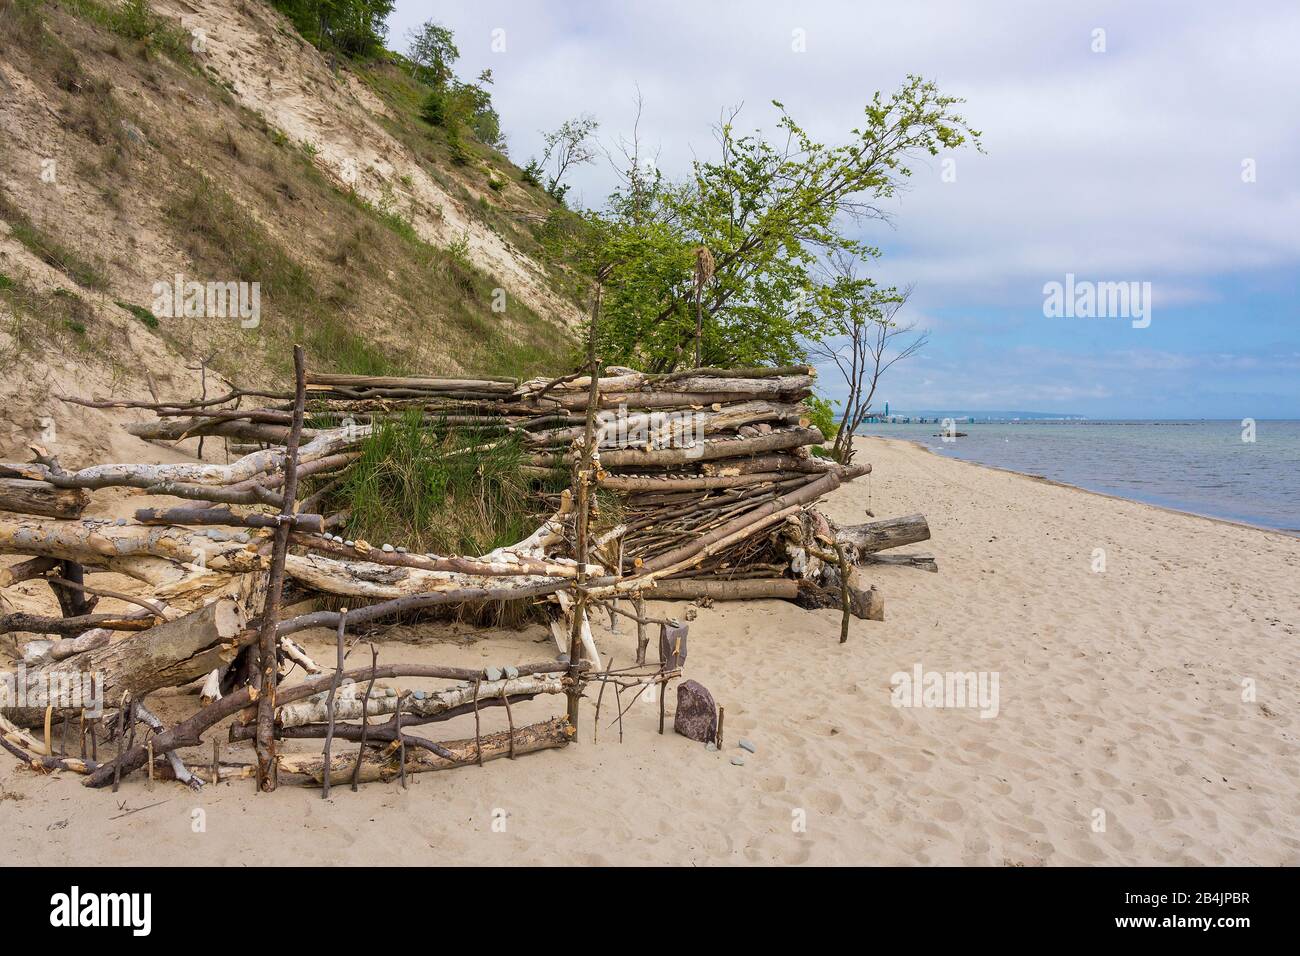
(1203, 467)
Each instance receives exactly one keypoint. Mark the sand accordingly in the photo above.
(1123, 734)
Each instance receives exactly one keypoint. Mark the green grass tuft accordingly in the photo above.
(140, 312)
(419, 486)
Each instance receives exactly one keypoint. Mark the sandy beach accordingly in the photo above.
(1147, 714)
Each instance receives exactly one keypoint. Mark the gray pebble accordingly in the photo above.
(388, 548)
(241, 538)
(120, 522)
(401, 550)
(419, 694)
(738, 761)
(746, 744)
(349, 543)
(564, 658)
(493, 673)
(711, 747)
(511, 671)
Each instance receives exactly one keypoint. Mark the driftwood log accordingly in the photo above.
(41, 498)
(786, 589)
(169, 655)
(881, 535)
(383, 764)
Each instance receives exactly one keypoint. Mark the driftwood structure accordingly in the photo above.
(714, 489)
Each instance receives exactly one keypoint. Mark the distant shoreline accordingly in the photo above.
(1288, 533)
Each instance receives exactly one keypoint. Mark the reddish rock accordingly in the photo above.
(697, 715)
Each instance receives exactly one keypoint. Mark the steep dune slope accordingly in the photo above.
(213, 144)
(274, 72)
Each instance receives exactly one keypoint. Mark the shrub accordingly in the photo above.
(140, 312)
(821, 414)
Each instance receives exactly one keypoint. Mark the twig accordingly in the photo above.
(101, 592)
(510, 717)
(478, 736)
(365, 704)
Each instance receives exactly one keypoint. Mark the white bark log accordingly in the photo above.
(326, 442)
(313, 709)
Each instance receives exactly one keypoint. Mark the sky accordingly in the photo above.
(1135, 142)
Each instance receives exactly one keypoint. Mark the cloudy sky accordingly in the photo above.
(1125, 142)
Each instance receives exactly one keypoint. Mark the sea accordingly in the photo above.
(1215, 468)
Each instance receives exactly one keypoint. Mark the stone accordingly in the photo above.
(746, 744)
(387, 549)
(738, 761)
(511, 671)
(697, 715)
(672, 645)
(711, 747)
(492, 673)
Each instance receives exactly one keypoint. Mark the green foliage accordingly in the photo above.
(432, 51)
(140, 312)
(436, 489)
(135, 20)
(459, 108)
(532, 173)
(355, 28)
(821, 413)
(768, 212)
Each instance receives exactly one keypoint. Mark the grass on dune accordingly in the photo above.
(435, 491)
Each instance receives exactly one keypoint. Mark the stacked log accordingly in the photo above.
(712, 473)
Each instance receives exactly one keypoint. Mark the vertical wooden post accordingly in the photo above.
(478, 731)
(121, 732)
(330, 701)
(584, 479)
(266, 775)
(844, 592)
(642, 637)
(663, 696)
(401, 741)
